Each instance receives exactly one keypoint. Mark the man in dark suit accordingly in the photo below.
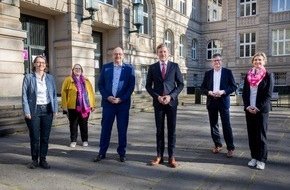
(116, 85)
(164, 83)
(217, 85)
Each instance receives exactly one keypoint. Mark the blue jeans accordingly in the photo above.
(39, 131)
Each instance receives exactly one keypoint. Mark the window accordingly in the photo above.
(182, 43)
(145, 28)
(109, 2)
(214, 46)
(247, 8)
(193, 49)
(193, 11)
(169, 41)
(214, 12)
(169, 3)
(280, 79)
(281, 42)
(280, 5)
(182, 7)
(247, 44)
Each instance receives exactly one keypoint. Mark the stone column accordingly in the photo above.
(11, 46)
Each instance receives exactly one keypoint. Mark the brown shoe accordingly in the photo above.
(158, 160)
(172, 163)
(230, 154)
(217, 149)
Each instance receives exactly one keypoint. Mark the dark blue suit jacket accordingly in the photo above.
(227, 84)
(264, 94)
(125, 87)
(172, 82)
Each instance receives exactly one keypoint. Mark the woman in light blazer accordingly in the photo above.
(40, 106)
(257, 92)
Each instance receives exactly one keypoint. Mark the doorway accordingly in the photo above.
(36, 42)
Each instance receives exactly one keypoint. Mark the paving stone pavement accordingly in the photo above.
(198, 169)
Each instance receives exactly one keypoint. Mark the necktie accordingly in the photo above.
(163, 70)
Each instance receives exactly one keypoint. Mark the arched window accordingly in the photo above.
(168, 40)
(194, 49)
(145, 28)
(214, 46)
(182, 46)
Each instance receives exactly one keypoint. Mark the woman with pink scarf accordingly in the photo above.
(257, 92)
(77, 101)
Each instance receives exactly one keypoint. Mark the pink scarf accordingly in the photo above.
(82, 104)
(255, 76)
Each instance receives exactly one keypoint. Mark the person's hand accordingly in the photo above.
(28, 116)
(92, 109)
(54, 115)
(111, 99)
(252, 109)
(166, 99)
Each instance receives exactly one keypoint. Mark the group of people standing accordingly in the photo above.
(164, 83)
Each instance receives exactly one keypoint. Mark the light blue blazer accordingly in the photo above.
(29, 93)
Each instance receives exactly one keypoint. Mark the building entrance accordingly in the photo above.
(36, 42)
(98, 58)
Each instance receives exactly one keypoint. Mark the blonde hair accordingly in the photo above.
(262, 54)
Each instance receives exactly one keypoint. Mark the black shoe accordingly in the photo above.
(99, 158)
(44, 165)
(122, 158)
(33, 164)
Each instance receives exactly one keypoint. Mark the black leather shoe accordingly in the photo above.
(122, 158)
(99, 158)
(33, 164)
(44, 165)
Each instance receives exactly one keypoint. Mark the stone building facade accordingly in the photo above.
(193, 29)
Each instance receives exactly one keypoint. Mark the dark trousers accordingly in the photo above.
(108, 117)
(75, 120)
(170, 112)
(213, 112)
(257, 126)
(39, 131)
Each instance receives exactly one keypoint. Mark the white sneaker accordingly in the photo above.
(260, 165)
(85, 143)
(252, 163)
(73, 144)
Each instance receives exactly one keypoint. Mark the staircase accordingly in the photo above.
(12, 119)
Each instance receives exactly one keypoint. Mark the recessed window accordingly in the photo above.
(214, 10)
(109, 2)
(214, 46)
(169, 41)
(194, 49)
(247, 8)
(281, 42)
(182, 48)
(247, 44)
(280, 5)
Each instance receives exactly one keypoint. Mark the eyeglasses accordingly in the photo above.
(77, 68)
(215, 60)
(40, 62)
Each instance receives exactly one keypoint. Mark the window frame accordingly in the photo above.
(194, 49)
(169, 42)
(286, 6)
(106, 2)
(182, 46)
(214, 10)
(280, 40)
(252, 45)
(145, 28)
(182, 6)
(213, 50)
(252, 8)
